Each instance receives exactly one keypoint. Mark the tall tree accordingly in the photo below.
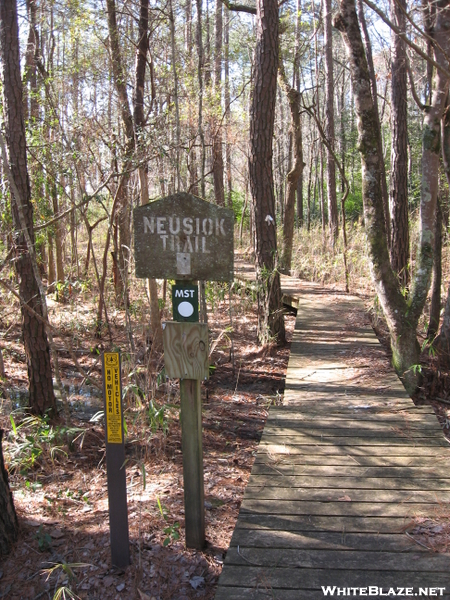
(374, 90)
(219, 191)
(262, 116)
(122, 208)
(329, 114)
(295, 172)
(443, 340)
(398, 197)
(37, 350)
(402, 314)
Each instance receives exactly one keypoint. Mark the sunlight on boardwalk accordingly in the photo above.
(347, 472)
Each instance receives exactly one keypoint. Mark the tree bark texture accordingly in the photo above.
(9, 527)
(262, 115)
(227, 99)
(329, 130)
(402, 316)
(219, 191)
(445, 135)
(373, 82)
(200, 65)
(30, 102)
(435, 307)
(398, 197)
(295, 173)
(431, 149)
(443, 341)
(123, 207)
(37, 350)
(403, 342)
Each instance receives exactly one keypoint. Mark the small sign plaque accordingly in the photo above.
(113, 398)
(115, 460)
(184, 237)
(185, 303)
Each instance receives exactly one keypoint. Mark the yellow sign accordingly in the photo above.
(112, 398)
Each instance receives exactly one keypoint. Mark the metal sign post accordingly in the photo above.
(184, 238)
(115, 460)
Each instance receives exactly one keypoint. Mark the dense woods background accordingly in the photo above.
(315, 121)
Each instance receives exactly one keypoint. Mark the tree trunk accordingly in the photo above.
(219, 191)
(37, 350)
(58, 237)
(373, 84)
(445, 136)
(329, 130)
(435, 308)
(200, 53)
(295, 173)
(402, 316)
(127, 119)
(262, 114)
(398, 199)
(51, 272)
(30, 101)
(175, 94)
(443, 341)
(139, 124)
(9, 526)
(227, 98)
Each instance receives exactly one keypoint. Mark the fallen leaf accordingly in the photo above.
(56, 534)
(345, 498)
(197, 581)
(143, 596)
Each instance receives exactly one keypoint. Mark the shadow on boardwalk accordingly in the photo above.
(346, 470)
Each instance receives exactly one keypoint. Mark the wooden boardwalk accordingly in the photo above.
(349, 476)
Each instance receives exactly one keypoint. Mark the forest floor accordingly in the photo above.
(60, 489)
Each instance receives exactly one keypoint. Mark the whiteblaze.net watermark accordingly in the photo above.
(374, 590)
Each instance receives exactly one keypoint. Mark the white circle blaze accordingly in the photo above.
(186, 309)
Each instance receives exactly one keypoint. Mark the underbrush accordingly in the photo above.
(316, 259)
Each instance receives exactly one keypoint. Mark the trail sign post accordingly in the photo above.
(184, 238)
(115, 460)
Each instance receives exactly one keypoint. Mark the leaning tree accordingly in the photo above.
(402, 314)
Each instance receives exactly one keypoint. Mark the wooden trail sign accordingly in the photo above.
(185, 238)
(115, 460)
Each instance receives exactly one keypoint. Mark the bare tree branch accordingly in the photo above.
(404, 37)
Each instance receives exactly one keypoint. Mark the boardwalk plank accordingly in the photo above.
(282, 458)
(354, 495)
(337, 524)
(354, 470)
(325, 540)
(314, 579)
(363, 509)
(338, 559)
(265, 476)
